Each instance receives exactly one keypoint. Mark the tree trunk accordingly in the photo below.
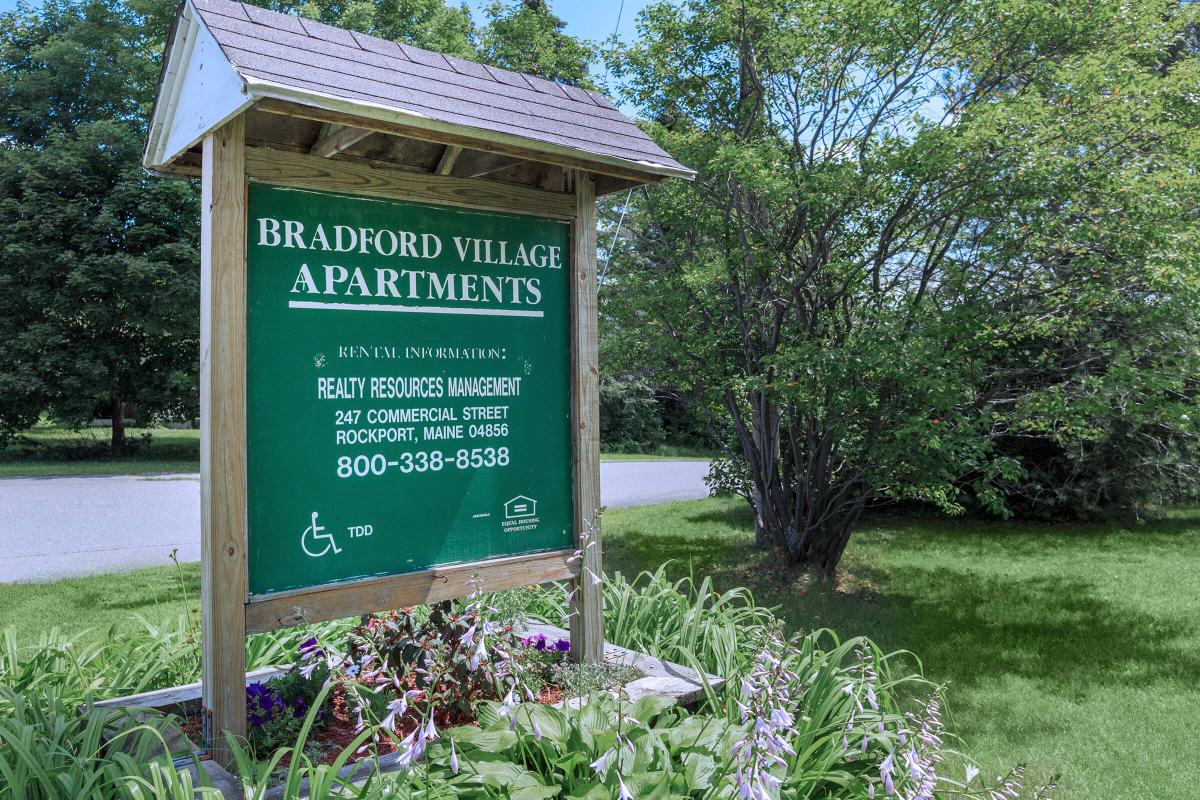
(118, 424)
(806, 501)
(762, 532)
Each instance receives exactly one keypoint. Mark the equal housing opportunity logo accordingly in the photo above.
(520, 514)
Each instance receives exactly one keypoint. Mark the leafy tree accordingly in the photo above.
(526, 36)
(431, 24)
(98, 262)
(1096, 393)
(884, 192)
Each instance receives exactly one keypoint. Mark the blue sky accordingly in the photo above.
(590, 19)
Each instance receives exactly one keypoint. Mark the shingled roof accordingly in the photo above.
(286, 57)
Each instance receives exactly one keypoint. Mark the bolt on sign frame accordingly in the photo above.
(250, 100)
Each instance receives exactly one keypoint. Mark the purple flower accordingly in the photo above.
(262, 703)
(886, 768)
(396, 708)
(309, 649)
(767, 707)
(562, 646)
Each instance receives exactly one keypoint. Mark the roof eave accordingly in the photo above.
(223, 89)
(259, 88)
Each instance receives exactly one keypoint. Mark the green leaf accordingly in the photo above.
(528, 787)
(491, 741)
(648, 707)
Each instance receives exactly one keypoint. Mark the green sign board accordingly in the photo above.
(408, 390)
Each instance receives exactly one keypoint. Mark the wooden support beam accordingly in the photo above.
(335, 138)
(335, 601)
(587, 605)
(449, 157)
(223, 588)
(498, 165)
(485, 141)
(306, 172)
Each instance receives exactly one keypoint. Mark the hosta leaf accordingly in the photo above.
(491, 741)
(648, 707)
(551, 722)
(528, 787)
(590, 791)
(698, 771)
(490, 768)
(702, 733)
(650, 785)
(487, 714)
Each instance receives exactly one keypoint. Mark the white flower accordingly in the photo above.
(508, 704)
(396, 708)
(601, 763)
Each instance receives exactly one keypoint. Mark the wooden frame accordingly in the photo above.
(352, 598)
(311, 172)
(229, 613)
(492, 142)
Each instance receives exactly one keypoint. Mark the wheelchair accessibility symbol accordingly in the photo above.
(313, 537)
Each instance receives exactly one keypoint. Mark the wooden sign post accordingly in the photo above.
(399, 374)
(223, 434)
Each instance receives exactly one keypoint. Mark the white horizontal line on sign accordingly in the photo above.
(482, 312)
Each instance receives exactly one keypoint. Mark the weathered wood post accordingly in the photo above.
(223, 432)
(587, 620)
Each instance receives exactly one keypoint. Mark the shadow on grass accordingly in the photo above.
(690, 550)
(970, 629)
(976, 601)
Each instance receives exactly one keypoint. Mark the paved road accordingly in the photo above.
(58, 527)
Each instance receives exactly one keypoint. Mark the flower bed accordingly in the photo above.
(803, 716)
(406, 674)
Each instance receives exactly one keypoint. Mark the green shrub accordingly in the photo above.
(630, 417)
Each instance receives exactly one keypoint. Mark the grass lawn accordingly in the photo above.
(698, 456)
(96, 603)
(1074, 649)
(49, 450)
(53, 450)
